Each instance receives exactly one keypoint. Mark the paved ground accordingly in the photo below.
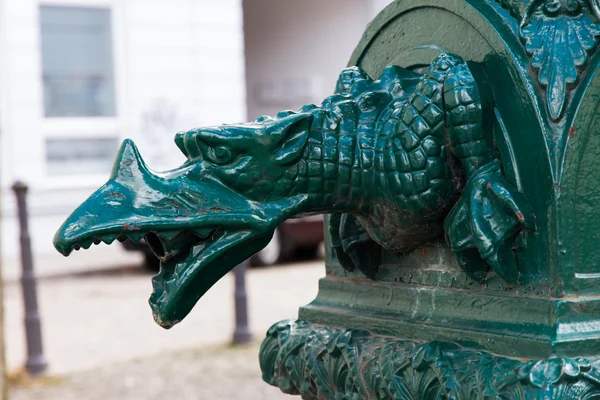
(216, 372)
(95, 324)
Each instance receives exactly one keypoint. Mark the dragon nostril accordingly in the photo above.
(155, 245)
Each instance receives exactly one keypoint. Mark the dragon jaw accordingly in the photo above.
(188, 220)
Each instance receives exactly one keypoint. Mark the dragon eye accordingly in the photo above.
(220, 155)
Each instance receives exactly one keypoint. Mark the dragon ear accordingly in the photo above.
(291, 135)
(180, 142)
(187, 143)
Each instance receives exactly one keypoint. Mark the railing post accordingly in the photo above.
(242, 334)
(36, 363)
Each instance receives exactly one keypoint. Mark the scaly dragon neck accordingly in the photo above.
(338, 168)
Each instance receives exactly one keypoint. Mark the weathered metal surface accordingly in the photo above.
(318, 362)
(457, 159)
(552, 310)
(393, 155)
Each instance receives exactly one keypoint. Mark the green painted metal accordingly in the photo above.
(392, 155)
(457, 162)
(318, 362)
(423, 295)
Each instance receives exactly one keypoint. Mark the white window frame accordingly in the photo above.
(91, 127)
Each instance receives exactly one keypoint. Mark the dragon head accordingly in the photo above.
(203, 218)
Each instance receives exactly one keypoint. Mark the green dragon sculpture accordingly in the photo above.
(392, 160)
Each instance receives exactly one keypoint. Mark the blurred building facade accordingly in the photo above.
(295, 49)
(79, 76)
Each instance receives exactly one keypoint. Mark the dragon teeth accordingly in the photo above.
(108, 239)
(204, 233)
(168, 235)
(197, 249)
(179, 268)
(136, 237)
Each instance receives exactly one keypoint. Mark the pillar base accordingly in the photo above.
(319, 362)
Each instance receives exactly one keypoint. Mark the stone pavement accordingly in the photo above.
(100, 322)
(217, 372)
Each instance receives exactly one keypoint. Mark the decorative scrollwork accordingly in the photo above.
(324, 363)
(558, 35)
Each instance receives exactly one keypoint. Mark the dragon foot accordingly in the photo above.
(488, 227)
(353, 246)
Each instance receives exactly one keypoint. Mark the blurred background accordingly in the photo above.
(79, 76)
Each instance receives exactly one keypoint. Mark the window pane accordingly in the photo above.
(77, 62)
(80, 156)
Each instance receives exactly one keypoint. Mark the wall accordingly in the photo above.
(377, 5)
(3, 383)
(295, 50)
(179, 65)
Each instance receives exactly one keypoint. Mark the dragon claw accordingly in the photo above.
(353, 246)
(488, 227)
(472, 264)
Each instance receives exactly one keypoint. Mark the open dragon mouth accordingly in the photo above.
(166, 246)
(191, 262)
(198, 228)
(176, 246)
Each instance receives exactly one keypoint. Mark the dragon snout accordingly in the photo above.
(199, 228)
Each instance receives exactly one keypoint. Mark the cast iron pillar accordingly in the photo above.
(457, 158)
